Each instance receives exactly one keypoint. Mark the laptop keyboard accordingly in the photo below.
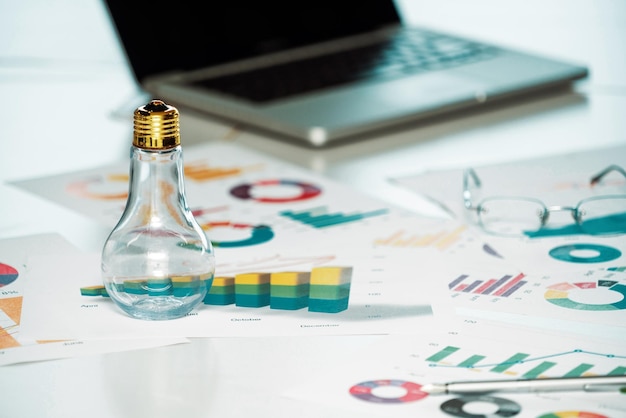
(410, 51)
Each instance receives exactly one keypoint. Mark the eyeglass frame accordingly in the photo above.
(546, 210)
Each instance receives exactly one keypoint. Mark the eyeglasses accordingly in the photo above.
(525, 216)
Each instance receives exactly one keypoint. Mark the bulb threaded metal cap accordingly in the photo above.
(156, 126)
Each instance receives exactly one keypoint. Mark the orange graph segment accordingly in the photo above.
(6, 340)
(12, 307)
(203, 172)
(109, 187)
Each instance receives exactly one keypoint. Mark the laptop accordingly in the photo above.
(318, 71)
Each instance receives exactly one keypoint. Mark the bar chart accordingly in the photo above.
(523, 365)
(504, 286)
(320, 217)
(406, 239)
(323, 289)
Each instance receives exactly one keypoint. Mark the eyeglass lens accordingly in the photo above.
(511, 216)
(603, 215)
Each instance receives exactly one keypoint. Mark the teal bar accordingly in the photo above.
(471, 362)
(328, 305)
(578, 370)
(538, 370)
(618, 371)
(440, 355)
(510, 362)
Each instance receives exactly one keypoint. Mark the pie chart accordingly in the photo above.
(8, 274)
(572, 414)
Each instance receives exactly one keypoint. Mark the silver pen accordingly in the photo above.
(587, 384)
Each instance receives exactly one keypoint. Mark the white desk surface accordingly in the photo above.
(63, 79)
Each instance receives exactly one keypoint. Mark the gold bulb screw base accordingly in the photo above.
(156, 126)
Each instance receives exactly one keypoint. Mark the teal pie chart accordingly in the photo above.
(8, 274)
(585, 253)
(255, 234)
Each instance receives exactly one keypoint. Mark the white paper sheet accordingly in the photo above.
(17, 262)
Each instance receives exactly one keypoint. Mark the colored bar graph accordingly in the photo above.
(522, 364)
(252, 290)
(97, 290)
(330, 289)
(289, 290)
(324, 289)
(440, 240)
(222, 292)
(320, 218)
(505, 286)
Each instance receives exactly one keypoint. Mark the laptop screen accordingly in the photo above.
(164, 36)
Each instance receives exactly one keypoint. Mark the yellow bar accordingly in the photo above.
(555, 294)
(189, 279)
(118, 177)
(390, 240)
(331, 275)
(95, 287)
(425, 240)
(252, 278)
(223, 281)
(182, 279)
(290, 278)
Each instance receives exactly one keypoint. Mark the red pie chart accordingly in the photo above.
(8, 274)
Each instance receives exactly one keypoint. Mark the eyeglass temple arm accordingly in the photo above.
(467, 195)
(596, 179)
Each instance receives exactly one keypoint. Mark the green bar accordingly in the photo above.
(578, 370)
(471, 362)
(322, 291)
(252, 289)
(440, 355)
(538, 370)
(284, 291)
(510, 362)
(618, 371)
(222, 290)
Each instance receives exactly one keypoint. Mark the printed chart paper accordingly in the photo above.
(387, 378)
(17, 261)
(382, 299)
(265, 216)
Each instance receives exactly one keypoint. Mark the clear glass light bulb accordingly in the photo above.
(157, 263)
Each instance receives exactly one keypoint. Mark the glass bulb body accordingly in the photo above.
(157, 263)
